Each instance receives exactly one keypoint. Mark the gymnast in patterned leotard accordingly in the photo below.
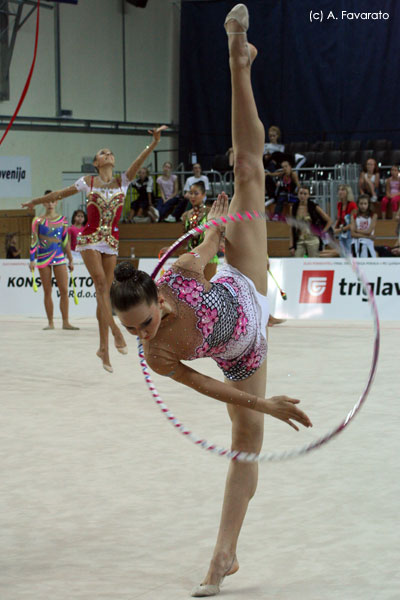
(185, 316)
(49, 248)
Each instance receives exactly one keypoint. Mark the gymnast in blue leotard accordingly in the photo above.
(49, 251)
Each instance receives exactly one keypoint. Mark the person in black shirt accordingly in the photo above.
(12, 250)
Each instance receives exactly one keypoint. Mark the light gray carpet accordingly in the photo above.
(100, 498)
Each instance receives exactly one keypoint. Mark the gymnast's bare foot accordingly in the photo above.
(49, 326)
(274, 321)
(68, 325)
(102, 353)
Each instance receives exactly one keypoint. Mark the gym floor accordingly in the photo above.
(101, 498)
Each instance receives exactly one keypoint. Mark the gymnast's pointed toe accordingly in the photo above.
(240, 14)
(122, 349)
(202, 591)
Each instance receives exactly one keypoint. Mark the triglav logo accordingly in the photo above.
(316, 286)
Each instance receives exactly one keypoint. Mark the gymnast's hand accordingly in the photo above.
(156, 133)
(219, 209)
(28, 204)
(284, 409)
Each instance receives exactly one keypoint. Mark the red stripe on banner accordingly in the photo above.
(29, 76)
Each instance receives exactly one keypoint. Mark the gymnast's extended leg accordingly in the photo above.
(245, 249)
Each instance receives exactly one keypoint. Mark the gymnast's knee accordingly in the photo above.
(247, 437)
(247, 168)
(101, 285)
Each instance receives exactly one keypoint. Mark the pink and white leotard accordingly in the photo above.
(231, 318)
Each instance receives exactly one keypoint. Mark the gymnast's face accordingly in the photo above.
(104, 157)
(196, 196)
(51, 206)
(303, 195)
(143, 319)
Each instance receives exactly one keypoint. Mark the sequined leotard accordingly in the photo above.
(48, 241)
(230, 318)
(193, 218)
(104, 208)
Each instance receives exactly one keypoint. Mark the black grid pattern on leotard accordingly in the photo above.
(226, 305)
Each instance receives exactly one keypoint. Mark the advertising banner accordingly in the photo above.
(15, 177)
(315, 288)
(321, 288)
(18, 298)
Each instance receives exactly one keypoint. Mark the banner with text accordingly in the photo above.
(15, 177)
(321, 288)
(315, 288)
(17, 296)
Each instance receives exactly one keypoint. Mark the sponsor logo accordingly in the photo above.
(316, 287)
(81, 283)
(378, 288)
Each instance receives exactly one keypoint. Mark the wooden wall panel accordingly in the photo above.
(19, 222)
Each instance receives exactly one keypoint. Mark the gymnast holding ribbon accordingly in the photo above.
(184, 317)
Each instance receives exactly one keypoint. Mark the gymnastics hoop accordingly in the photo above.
(267, 456)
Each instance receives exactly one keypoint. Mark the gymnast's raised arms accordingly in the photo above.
(130, 172)
(137, 163)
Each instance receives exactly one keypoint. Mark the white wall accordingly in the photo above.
(92, 83)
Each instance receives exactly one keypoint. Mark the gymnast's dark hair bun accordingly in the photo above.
(131, 287)
(125, 271)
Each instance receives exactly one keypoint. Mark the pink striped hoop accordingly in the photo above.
(267, 456)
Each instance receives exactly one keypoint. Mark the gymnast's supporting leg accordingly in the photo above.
(245, 249)
(61, 275)
(45, 276)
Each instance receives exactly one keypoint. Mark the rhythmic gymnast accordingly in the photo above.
(185, 317)
(49, 248)
(197, 215)
(99, 241)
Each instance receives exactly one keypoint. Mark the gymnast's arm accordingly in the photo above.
(51, 197)
(280, 407)
(137, 163)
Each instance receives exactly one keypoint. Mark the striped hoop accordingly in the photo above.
(267, 456)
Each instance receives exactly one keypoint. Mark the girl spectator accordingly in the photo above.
(369, 180)
(363, 228)
(197, 176)
(307, 241)
(79, 220)
(197, 215)
(345, 208)
(169, 192)
(12, 250)
(286, 189)
(274, 133)
(142, 209)
(392, 193)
